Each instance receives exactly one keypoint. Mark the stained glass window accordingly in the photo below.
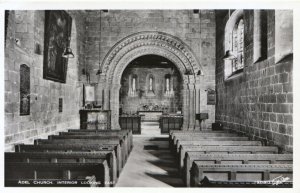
(238, 45)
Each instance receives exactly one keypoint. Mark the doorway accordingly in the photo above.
(151, 86)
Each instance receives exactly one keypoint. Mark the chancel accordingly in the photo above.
(149, 98)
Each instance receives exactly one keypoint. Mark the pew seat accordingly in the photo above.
(190, 157)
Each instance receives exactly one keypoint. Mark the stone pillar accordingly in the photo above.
(185, 107)
(197, 90)
(114, 106)
(106, 99)
(192, 106)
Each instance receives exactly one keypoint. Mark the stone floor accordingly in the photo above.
(150, 129)
(150, 163)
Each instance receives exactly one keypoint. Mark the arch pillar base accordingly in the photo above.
(114, 104)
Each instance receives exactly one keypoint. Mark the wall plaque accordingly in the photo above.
(24, 90)
(211, 97)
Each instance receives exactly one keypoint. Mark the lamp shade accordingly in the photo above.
(68, 53)
(229, 55)
(99, 72)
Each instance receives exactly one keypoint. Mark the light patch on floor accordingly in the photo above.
(150, 168)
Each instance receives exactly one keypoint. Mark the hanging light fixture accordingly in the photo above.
(229, 55)
(68, 51)
(99, 71)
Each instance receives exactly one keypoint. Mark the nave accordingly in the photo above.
(117, 158)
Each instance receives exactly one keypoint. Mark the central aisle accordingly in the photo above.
(150, 164)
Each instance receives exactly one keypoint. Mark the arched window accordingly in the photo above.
(150, 85)
(238, 45)
(132, 85)
(234, 44)
(168, 85)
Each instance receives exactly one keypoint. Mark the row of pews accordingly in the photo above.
(92, 158)
(223, 159)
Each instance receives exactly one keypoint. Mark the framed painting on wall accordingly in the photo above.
(57, 32)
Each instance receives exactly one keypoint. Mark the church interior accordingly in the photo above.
(148, 98)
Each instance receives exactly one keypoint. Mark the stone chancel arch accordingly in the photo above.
(149, 43)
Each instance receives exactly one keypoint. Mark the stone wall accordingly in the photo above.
(197, 30)
(25, 45)
(259, 102)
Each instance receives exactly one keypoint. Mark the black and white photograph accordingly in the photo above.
(196, 97)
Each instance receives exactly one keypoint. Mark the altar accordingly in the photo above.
(151, 116)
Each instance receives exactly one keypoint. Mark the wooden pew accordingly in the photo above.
(172, 133)
(56, 171)
(86, 135)
(204, 138)
(245, 184)
(239, 172)
(83, 142)
(224, 150)
(127, 139)
(91, 138)
(216, 143)
(200, 134)
(197, 131)
(190, 157)
(125, 131)
(67, 157)
(188, 136)
(75, 148)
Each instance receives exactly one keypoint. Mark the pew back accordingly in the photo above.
(239, 172)
(67, 157)
(56, 171)
(190, 157)
(224, 150)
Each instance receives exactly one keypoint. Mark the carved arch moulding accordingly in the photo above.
(169, 46)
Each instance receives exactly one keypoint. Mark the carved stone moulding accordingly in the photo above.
(156, 39)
